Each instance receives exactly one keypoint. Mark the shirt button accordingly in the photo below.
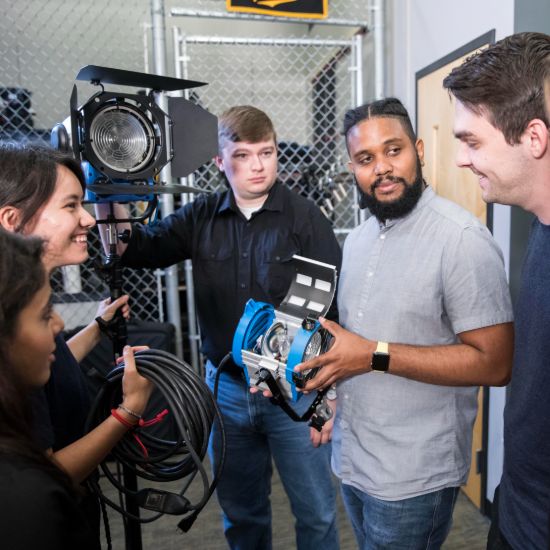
(243, 285)
(360, 314)
(382, 236)
(278, 258)
(370, 274)
(346, 396)
(245, 254)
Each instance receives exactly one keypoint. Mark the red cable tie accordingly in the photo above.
(140, 443)
(158, 418)
(122, 420)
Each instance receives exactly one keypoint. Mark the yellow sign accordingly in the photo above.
(311, 9)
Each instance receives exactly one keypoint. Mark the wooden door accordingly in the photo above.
(434, 115)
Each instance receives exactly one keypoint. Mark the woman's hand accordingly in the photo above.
(136, 389)
(106, 310)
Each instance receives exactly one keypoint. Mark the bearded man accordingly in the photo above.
(425, 317)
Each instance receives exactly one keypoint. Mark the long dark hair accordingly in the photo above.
(28, 176)
(22, 275)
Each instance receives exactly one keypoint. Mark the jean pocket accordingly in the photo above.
(210, 373)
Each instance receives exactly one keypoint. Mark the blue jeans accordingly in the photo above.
(256, 432)
(418, 523)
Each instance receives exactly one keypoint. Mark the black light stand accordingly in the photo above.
(111, 272)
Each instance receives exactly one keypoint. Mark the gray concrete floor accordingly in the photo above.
(469, 531)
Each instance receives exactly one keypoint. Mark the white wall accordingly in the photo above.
(420, 32)
(423, 31)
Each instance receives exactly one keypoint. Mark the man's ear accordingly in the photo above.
(536, 138)
(419, 145)
(219, 162)
(9, 218)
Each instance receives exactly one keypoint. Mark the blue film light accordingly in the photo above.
(308, 343)
(124, 140)
(256, 319)
(93, 176)
(276, 340)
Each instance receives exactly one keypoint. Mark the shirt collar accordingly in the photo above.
(427, 195)
(274, 200)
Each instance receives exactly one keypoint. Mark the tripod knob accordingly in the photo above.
(308, 323)
(124, 236)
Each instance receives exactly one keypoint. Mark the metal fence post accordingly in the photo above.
(167, 201)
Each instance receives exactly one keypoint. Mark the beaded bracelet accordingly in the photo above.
(130, 412)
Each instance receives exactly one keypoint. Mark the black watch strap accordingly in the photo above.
(381, 358)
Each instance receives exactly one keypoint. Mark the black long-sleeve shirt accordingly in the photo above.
(235, 259)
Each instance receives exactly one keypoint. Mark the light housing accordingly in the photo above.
(121, 136)
(279, 339)
(124, 140)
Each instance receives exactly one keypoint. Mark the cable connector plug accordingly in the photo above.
(163, 501)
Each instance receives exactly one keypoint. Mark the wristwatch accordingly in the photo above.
(381, 358)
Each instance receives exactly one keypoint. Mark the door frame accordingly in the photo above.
(483, 40)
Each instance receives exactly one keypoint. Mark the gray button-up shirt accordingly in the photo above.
(420, 280)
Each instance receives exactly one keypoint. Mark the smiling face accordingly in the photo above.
(32, 347)
(503, 170)
(385, 162)
(63, 223)
(250, 168)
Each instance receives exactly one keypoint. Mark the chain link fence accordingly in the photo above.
(43, 44)
(304, 86)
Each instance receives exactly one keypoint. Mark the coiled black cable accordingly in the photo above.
(192, 409)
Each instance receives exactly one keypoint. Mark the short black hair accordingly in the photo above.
(388, 107)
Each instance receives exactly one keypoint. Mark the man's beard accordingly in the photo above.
(388, 210)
